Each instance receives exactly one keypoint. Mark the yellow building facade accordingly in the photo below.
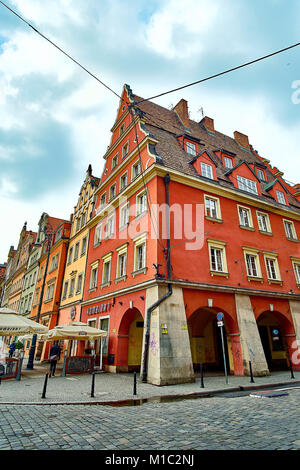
(73, 282)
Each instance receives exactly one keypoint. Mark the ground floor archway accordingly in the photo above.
(206, 342)
(276, 332)
(130, 340)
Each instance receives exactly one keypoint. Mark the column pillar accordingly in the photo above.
(169, 356)
(295, 344)
(252, 349)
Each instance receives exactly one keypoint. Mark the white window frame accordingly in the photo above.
(261, 174)
(70, 255)
(191, 148)
(253, 252)
(216, 201)
(65, 291)
(83, 245)
(114, 161)
(102, 205)
(220, 247)
(122, 176)
(296, 268)
(245, 184)
(49, 291)
(122, 223)
(122, 251)
(76, 251)
(106, 261)
(228, 163)
(135, 165)
(267, 222)
(111, 189)
(72, 286)
(110, 223)
(207, 170)
(98, 234)
(80, 277)
(272, 257)
(249, 212)
(138, 242)
(281, 198)
(141, 203)
(126, 145)
(291, 224)
(94, 278)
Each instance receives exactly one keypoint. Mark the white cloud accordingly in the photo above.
(179, 28)
(49, 12)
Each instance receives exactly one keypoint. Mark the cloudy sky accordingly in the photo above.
(55, 119)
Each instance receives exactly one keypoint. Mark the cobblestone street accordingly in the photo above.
(225, 422)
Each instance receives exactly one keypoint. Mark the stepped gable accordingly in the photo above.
(165, 125)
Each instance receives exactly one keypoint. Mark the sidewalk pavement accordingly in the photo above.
(74, 389)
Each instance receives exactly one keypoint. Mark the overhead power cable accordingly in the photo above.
(221, 73)
(61, 50)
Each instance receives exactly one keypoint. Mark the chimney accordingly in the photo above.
(208, 124)
(182, 110)
(297, 188)
(242, 140)
(277, 172)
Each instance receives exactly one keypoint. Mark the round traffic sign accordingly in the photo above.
(220, 316)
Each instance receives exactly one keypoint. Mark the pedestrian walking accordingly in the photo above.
(12, 348)
(54, 357)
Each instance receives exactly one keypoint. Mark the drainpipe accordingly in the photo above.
(170, 290)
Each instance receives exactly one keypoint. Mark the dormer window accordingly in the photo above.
(247, 185)
(261, 174)
(206, 170)
(191, 148)
(228, 162)
(280, 197)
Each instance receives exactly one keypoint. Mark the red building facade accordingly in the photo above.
(188, 223)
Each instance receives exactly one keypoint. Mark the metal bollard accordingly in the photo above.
(93, 385)
(45, 386)
(201, 375)
(18, 377)
(134, 383)
(291, 369)
(251, 373)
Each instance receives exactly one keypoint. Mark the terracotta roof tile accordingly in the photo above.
(165, 126)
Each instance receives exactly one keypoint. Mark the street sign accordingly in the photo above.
(220, 316)
(220, 323)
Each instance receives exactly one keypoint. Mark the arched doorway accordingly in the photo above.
(274, 330)
(206, 342)
(130, 340)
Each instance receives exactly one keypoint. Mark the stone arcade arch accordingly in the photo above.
(277, 335)
(130, 339)
(205, 341)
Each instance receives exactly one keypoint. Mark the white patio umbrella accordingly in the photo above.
(14, 324)
(74, 330)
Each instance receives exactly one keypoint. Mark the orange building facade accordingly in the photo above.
(52, 261)
(188, 223)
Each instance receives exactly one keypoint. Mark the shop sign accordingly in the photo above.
(98, 309)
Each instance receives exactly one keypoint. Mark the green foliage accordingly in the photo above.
(19, 345)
